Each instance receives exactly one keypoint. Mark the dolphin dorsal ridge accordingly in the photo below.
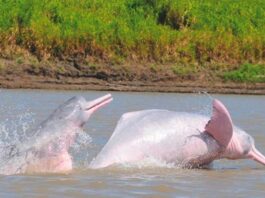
(220, 125)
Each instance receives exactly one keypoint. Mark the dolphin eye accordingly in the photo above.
(247, 145)
(245, 151)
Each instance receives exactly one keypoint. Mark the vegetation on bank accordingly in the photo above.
(196, 35)
(247, 73)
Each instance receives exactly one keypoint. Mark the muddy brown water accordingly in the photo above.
(23, 109)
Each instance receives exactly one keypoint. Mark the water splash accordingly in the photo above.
(13, 132)
(16, 130)
(79, 150)
(203, 103)
(20, 142)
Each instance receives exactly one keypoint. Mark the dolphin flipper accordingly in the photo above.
(220, 126)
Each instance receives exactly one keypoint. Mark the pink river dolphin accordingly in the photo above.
(47, 150)
(182, 139)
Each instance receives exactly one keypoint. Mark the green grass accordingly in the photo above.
(247, 73)
(162, 31)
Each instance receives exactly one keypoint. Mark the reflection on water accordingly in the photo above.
(21, 110)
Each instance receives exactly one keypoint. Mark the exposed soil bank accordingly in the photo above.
(90, 83)
(33, 82)
(135, 77)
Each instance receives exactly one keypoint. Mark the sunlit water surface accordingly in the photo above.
(21, 110)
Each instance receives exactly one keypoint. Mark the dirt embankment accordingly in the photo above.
(134, 77)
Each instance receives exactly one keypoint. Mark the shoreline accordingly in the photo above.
(73, 75)
(167, 86)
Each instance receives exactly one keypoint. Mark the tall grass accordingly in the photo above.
(201, 32)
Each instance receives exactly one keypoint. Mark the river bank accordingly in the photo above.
(151, 78)
(33, 82)
(169, 46)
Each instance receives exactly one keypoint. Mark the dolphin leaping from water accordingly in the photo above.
(47, 150)
(183, 139)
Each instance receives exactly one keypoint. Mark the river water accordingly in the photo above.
(21, 110)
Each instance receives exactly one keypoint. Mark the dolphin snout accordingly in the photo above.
(256, 155)
(99, 102)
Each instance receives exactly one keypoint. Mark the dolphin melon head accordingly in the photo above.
(236, 143)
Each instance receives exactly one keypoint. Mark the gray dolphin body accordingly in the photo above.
(47, 150)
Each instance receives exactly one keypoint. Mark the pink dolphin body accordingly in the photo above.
(183, 139)
(47, 150)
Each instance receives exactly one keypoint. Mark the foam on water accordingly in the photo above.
(149, 162)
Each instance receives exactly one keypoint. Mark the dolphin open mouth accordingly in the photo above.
(256, 155)
(94, 105)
